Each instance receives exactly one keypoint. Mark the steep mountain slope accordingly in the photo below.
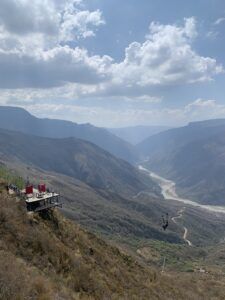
(112, 215)
(132, 221)
(78, 159)
(63, 261)
(193, 156)
(18, 119)
(137, 134)
(47, 257)
(181, 136)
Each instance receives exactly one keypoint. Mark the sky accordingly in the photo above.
(114, 63)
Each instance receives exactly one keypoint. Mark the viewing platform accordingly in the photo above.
(40, 199)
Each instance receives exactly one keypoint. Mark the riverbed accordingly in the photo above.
(168, 189)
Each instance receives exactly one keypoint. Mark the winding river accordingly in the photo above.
(168, 188)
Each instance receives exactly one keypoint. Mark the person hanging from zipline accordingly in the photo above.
(165, 221)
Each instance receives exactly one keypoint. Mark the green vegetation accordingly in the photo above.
(11, 177)
(63, 261)
(178, 257)
(46, 257)
(127, 220)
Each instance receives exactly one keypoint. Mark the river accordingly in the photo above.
(168, 188)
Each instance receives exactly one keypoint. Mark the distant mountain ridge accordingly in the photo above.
(18, 119)
(193, 156)
(137, 134)
(76, 158)
(208, 123)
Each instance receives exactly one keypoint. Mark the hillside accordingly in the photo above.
(193, 156)
(137, 134)
(47, 257)
(18, 119)
(63, 261)
(110, 214)
(76, 158)
(131, 221)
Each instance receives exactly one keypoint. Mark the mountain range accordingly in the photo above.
(18, 119)
(193, 156)
(110, 197)
(97, 187)
(101, 192)
(75, 158)
(137, 134)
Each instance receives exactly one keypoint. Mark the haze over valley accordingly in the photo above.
(112, 150)
(122, 202)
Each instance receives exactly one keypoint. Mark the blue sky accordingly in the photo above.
(114, 63)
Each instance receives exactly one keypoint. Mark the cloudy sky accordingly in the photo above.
(114, 63)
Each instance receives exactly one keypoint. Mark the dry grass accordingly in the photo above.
(48, 257)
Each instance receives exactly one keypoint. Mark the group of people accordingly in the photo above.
(13, 188)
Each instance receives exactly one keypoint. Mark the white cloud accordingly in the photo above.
(201, 109)
(33, 57)
(143, 99)
(165, 58)
(27, 25)
(212, 34)
(30, 51)
(78, 24)
(51, 68)
(40, 71)
(219, 21)
(201, 103)
(22, 17)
